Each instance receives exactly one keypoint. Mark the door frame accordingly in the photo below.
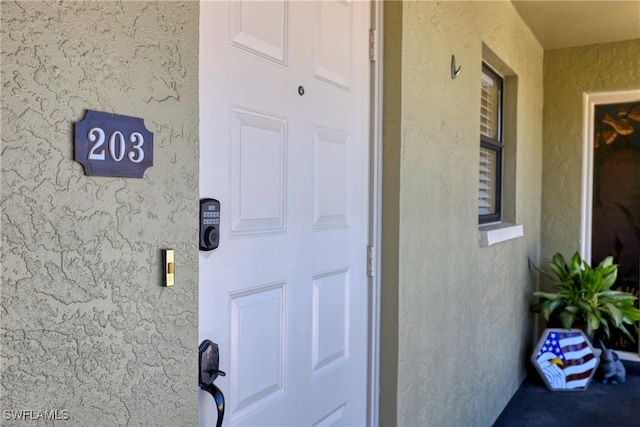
(589, 102)
(375, 216)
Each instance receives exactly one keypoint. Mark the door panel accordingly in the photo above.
(258, 160)
(260, 28)
(332, 48)
(284, 146)
(257, 352)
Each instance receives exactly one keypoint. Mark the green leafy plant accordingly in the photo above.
(584, 293)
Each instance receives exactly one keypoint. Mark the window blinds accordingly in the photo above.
(489, 107)
(489, 127)
(486, 191)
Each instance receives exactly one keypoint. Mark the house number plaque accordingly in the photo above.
(113, 145)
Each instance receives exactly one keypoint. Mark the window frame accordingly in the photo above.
(496, 145)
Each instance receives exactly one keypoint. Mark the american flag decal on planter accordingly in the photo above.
(565, 359)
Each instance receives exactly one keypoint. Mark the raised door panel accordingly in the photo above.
(258, 181)
(333, 42)
(257, 361)
(260, 28)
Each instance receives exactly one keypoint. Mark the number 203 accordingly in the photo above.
(117, 145)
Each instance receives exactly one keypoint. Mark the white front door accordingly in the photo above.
(284, 147)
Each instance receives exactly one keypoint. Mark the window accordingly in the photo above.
(491, 146)
(498, 146)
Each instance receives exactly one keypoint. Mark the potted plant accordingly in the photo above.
(583, 294)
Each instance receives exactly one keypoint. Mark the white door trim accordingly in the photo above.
(376, 91)
(590, 100)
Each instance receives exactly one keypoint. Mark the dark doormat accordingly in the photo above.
(600, 405)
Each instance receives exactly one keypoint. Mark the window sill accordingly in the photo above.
(490, 234)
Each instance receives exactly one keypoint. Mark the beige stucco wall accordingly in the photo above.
(462, 311)
(87, 326)
(568, 74)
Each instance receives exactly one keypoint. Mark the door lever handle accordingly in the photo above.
(217, 395)
(209, 363)
(213, 372)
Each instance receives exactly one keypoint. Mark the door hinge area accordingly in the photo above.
(373, 47)
(371, 260)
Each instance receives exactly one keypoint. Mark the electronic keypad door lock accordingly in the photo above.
(209, 224)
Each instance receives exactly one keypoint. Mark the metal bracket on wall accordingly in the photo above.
(454, 71)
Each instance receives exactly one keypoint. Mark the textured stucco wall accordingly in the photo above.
(87, 327)
(462, 311)
(568, 73)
